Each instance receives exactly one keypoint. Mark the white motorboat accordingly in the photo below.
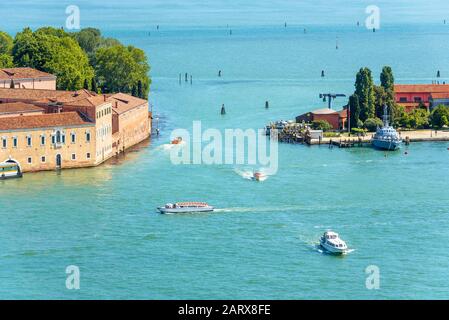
(185, 207)
(332, 243)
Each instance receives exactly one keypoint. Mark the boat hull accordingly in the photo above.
(386, 145)
(10, 176)
(333, 250)
(164, 210)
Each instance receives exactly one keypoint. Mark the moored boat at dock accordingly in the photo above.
(185, 207)
(10, 169)
(386, 137)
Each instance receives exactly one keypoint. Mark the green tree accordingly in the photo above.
(387, 78)
(371, 124)
(93, 85)
(119, 68)
(381, 99)
(364, 88)
(86, 84)
(134, 91)
(6, 43)
(6, 61)
(416, 119)
(89, 39)
(387, 83)
(354, 110)
(140, 89)
(54, 51)
(321, 125)
(440, 116)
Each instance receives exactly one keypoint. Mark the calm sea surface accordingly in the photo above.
(261, 243)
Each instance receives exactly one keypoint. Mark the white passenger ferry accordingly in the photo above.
(185, 207)
(10, 169)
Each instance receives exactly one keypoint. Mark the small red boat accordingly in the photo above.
(258, 176)
(178, 140)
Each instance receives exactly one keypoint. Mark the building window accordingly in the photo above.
(87, 136)
(29, 160)
(402, 99)
(4, 143)
(73, 137)
(43, 159)
(88, 155)
(42, 140)
(29, 141)
(73, 156)
(418, 99)
(63, 138)
(14, 142)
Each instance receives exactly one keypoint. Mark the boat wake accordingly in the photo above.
(294, 208)
(168, 146)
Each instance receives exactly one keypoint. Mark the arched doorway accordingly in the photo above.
(58, 161)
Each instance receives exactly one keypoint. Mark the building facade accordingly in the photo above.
(45, 129)
(411, 96)
(48, 141)
(337, 119)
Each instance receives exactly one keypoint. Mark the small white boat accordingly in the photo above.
(185, 207)
(10, 169)
(332, 243)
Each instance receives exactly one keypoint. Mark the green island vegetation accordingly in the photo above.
(83, 59)
(367, 102)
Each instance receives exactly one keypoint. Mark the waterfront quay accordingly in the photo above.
(345, 141)
(298, 134)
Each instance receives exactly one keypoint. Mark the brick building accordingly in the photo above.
(45, 129)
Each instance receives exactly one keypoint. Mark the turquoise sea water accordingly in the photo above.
(261, 243)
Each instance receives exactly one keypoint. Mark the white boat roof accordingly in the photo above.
(201, 204)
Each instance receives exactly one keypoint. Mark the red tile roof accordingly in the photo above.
(440, 95)
(23, 73)
(48, 96)
(122, 102)
(18, 107)
(65, 119)
(425, 88)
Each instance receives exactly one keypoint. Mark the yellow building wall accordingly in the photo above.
(80, 148)
(103, 132)
(134, 127)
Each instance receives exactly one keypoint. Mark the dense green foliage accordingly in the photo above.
(371, 124)
(6, 61)
(321, 125)
(354, 111)
(440, 116)
(90, 40)
(83, 59)
(120, 69)
(6, 43)
(416, 119)
(364, 89)
(54, 51)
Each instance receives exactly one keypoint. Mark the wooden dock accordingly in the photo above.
(297, 135)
